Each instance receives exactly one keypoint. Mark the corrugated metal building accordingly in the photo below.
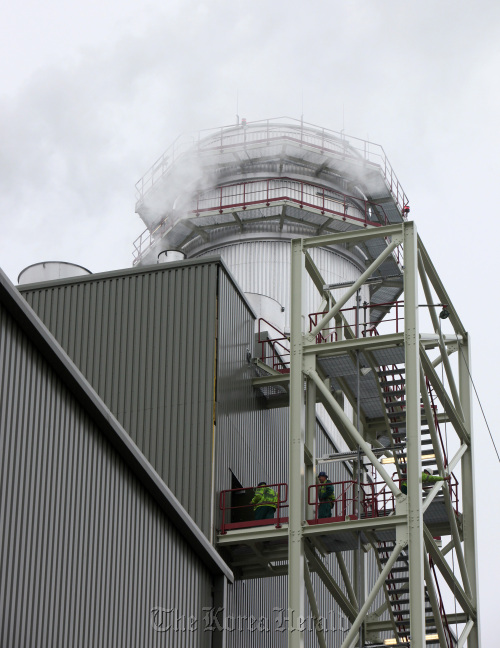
(146, 341)
(95, 548)
(167, 349)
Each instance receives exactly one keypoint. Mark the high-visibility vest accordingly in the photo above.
(265, 496)
(429, 479)
(324, 495)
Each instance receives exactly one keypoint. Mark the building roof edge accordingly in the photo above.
(108, 424)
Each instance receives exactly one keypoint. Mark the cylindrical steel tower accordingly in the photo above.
(245, 191)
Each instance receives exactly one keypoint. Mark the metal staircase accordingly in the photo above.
(397, 588)
(392, 384)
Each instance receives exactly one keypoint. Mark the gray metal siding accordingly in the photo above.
(263, 267)
(252, 442)
(145, 340)
(85, 552)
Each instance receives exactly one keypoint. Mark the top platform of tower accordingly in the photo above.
(277, 177)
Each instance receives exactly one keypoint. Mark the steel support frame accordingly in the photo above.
(408, 520)
(413, 451)
(471, 632)
(296, 491)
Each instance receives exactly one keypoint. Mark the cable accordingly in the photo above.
(479, 401)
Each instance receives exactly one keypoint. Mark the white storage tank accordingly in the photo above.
(49, 270)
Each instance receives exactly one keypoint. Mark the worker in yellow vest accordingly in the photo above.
(326, 496)
(265, 502)
(427, 479)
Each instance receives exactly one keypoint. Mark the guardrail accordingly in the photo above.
(264, 193)
(242, 195)
(274, 351)
(366, 327)
(228, 509)
(266, 132)
(372, 500)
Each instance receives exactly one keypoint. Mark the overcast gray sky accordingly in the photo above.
(92, 93)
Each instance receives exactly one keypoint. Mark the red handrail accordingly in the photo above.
(281, 503)
(367, 328)
(252, 192)
(279, 345)
(376, 500)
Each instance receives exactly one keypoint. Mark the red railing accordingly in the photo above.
(225, 506)
(452, 488)
(244, 195)
(366, 327)
(375, 500)
(270, 131)
(372, 501)
(274, 347)
(263, 193)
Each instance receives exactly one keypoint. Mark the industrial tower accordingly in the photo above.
(314, 226)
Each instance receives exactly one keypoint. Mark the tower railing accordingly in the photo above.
(322, 140)
(274, 346)
(366, 327)
(266, 193)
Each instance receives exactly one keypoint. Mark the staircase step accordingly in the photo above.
(384, 560)
(430, 629)
(393, 392)
(390, 372)
(388, 383)
(403, 557)
(401, 423)
(406, 600)
(387, 546)
(396, 581)
(395, 403)
(425, 440)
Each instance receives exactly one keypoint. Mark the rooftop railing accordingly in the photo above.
(305, 134)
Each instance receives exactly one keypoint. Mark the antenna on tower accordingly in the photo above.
(237, 108)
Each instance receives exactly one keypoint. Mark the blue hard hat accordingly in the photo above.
(323, 474)
(261, 484)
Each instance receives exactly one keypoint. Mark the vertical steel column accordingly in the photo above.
(468, 487)
(359, 562)
(296, 449)
(413, 441)
(310, 434)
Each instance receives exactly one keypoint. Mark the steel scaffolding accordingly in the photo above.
(401, 404)
(418, 516)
